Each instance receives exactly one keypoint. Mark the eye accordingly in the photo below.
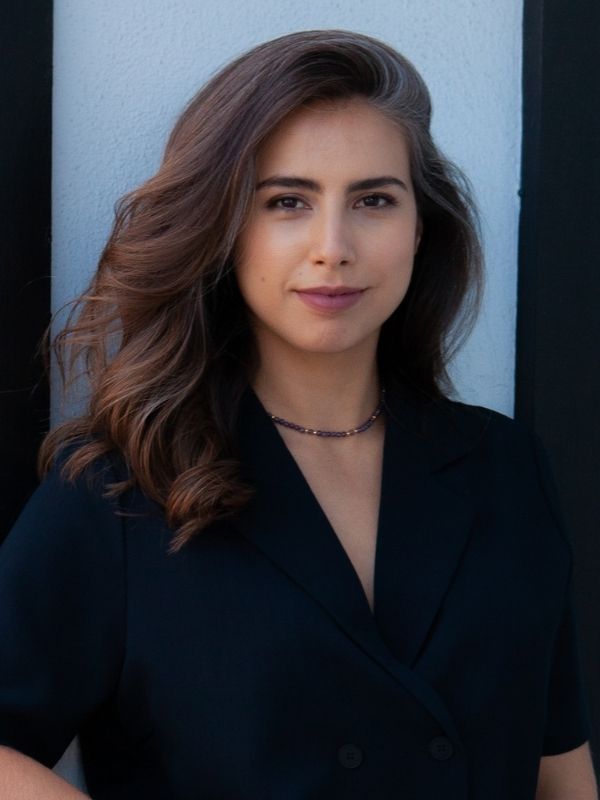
(288, 200)
(389, 200)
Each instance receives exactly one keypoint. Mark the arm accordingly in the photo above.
(566, 770)
(567, 776)
(22, 777)
(62, 634)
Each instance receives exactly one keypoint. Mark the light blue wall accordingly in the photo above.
(123, 71)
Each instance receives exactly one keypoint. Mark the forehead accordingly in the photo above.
(350, 133)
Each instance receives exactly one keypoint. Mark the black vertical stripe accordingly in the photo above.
(25, 164)
(557, 387)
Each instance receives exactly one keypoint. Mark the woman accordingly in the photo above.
(273, 559)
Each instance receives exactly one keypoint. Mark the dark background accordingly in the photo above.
(25, 146)
(557, 389)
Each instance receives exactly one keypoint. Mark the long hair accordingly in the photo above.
(161, 334)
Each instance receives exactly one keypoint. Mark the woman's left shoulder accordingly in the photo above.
(478, 428)
(508, 448)
(488, 427)
(450, 429)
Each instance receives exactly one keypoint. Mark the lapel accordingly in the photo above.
(424, 527)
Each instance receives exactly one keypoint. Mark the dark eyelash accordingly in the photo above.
(391, 201)
(273, 203)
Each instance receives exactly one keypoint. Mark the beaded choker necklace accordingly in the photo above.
(360, 429)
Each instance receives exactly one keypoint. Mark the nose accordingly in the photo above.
(331, 244)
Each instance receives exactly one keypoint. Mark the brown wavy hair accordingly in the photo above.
(161, 335)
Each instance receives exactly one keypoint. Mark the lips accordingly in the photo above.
(330, 298)
(332, 290)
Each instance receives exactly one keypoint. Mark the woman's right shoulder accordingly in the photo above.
(74, 512)
(105, 465)
(63, 604)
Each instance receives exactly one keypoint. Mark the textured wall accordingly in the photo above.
(123, 71)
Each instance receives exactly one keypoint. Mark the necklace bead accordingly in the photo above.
(360, 429)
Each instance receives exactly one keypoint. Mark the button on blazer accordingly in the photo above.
(249, 665)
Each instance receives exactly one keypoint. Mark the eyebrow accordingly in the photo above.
(294, 182)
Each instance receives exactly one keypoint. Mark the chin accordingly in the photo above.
(329, 346)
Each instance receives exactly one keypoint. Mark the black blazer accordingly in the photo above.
(250, 666)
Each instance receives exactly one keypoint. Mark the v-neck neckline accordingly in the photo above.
(327, 522)
(423, 526)
(302, 488)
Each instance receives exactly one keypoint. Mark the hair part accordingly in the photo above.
(161, 333)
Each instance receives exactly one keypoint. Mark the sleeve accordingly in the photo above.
(567, 714)
(61, 615)
(567, 723)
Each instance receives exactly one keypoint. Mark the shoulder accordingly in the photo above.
(103, 466)
(85, 471)
(501, 451)
(449, 428)
(492, 436)
(508, 455)
(491, 431)
(76, 514)
(482, 424)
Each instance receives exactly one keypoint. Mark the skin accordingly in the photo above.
(568, 776)
(298, 238)
(22, 778)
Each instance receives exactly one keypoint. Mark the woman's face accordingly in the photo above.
(334, 211)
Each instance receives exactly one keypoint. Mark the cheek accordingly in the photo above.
(396, 262)
(267, 264)
(398, 287)
(396, 279)
(250, 280)
(252, 271)
(259, 288)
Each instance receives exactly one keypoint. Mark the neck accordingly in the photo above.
(328, 391)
